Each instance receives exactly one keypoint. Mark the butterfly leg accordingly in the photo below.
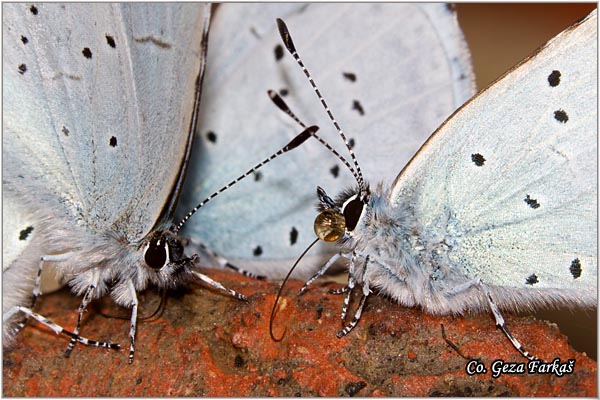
(134, 310)
(217, 285)
(224, 263)
(500, 323)
(57, 328)
(341, 290)
(357, 314)
(87, 297)
(37, 283)
(320, 272)
(349, 286)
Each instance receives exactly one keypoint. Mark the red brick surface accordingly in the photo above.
(206, 344)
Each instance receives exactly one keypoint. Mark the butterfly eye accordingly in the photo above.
(155, 255)
(352, 212)
(330, 225)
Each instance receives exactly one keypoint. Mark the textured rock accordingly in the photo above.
(206, 344)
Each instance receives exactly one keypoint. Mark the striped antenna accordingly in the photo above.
(282, 105)
(295, 142)
(289, 44)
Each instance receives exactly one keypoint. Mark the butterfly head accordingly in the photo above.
(164, 257)
(338, 219)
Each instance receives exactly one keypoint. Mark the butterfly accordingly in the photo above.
(497, 210)
(260, 225)
(100, 103)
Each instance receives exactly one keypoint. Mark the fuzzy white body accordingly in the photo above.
(418, 265)
(99, 102)
(502, 198)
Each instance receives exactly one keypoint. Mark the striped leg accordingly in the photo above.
(57, 328)
(355, 319)
(366, 291)
(82, 308)
(500, 323)
(342, 290)
(223, 263)
(38, 279)
(350, 286)
(217, 285)
(320, 272)
(134, 309)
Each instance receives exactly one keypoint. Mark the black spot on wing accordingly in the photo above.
(351, 143)
(561, 116)
(254, 32)
(358, 107)
(22, 69)
(113, 141)
(25, 233)
(33, 10)
(257, 251)
(335, 171)
(283, 92)
(111, 41)
(157, 42)
(65, 131)
(293, 236)
(24, 40)
(278, 52)
(350, 76)
(478, 159)
(211, 136)
(72, 77)
(554, 78)
(87, 53)
(533, 203)
(575, 268)
(257, 176)
(531, 279)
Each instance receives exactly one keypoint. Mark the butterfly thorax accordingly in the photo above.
(157, 260)
(407, 261)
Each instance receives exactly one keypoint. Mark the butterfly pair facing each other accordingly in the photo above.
(488, 214)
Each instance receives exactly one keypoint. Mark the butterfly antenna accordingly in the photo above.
(287, 277)
(289, 44)
(295, 142)
(282, 105)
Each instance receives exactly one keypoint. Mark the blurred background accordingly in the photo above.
(502, 34)
(499, 36)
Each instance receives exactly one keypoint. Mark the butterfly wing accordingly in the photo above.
(509, 182)
(398, 71)
(99, 102)
(96, 121)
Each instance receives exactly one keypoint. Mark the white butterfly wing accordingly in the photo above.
(510, 180)
(96, 120)
(398, 71)
(98, 104)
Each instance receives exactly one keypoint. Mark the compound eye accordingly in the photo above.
(352, 212)
(156, 254)
(330, 225)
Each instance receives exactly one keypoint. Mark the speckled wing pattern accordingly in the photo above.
(510, 180)
(391, 73)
